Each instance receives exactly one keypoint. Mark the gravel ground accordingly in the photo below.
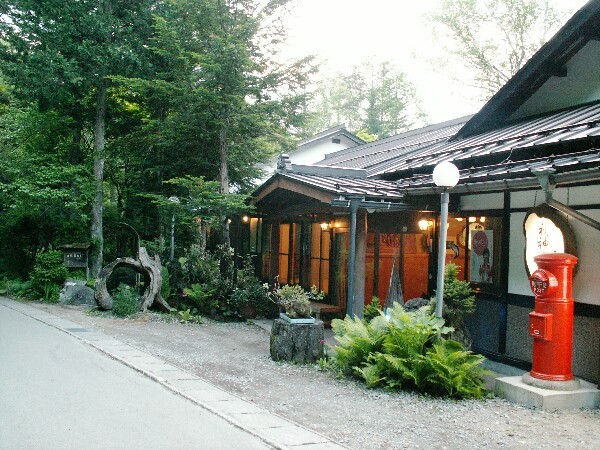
(235, 357)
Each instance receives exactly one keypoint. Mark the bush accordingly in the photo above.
(125, 301)
(48, 274)
(458, 302)
(209, 290)
(407, 352)
(372, 310)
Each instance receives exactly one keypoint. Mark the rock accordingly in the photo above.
(77, 293)
(415, 303)
(300, 343)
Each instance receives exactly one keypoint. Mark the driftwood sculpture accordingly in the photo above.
(145, 265)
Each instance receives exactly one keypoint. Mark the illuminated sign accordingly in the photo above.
(546, 231)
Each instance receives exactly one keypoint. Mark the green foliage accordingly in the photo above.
(458, 302)
(202, 297)
(125, 301)
(250, 291)
(188, 316)
(449, 370)
(16, 288)
(373, 309)
(356, 341)
(374, 100)
(49, 273)
(407, 352)
(294, 300)
(165, 288)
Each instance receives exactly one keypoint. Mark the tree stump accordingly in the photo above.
(145, 265)
(300, 343)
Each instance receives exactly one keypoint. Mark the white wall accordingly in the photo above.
(482, 202)
(586, 283)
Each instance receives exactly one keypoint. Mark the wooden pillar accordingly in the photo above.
(274, 270)
(360, 263)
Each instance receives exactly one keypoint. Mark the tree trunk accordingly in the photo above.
(151, 267)
(97, 234)
(300, 343)
(224, 188)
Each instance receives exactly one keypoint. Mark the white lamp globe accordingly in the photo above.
(445, 174)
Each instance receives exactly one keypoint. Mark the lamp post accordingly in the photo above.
(445, 175)
(174, 200)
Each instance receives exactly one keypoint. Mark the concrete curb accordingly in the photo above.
(272, 429)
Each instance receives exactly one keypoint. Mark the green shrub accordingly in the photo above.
(202, 272)
(407, 352)
(125, 301)
(356, 341)
(372, 310)
(201, 297)
(48, 274)
(458, 302)
(165, 288)
(294, 300)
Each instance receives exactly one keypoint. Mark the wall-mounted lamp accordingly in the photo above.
(423, 224)
(228, 221)
(245, 219)
(324, 226)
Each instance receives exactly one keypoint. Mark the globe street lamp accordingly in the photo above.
(445, 175)
(174, 200)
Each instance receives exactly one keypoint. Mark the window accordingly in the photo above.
(289, 253)
(474, 244)
(319, 257)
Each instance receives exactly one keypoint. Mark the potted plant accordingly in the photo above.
(295, 302)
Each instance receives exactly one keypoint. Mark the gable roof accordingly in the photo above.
(550, 60)
(376, 156)
(338, 130)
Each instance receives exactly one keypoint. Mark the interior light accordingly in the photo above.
(423, 224)
(324, 226)
(482, 219)
(459, 219)
(472, 219)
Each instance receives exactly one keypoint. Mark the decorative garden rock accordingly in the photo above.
(415, 303)
(77, 293)
(300, 343)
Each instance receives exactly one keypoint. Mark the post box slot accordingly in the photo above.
(540, 326)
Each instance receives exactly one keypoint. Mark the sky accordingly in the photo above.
(346, 32)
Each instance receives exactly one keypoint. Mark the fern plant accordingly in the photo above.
(450, 370)
(407, 350)
(356, 341)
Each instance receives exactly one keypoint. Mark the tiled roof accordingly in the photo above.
(370, 188)
(507, 170)
(577, 123)
(506, 145)
(375, 155)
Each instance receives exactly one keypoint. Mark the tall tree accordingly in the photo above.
(494, 38)
(218, 101)
(60, 55)
(375, 100)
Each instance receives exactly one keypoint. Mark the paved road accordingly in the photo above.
(59, 393)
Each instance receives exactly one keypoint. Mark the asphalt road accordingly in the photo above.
(59, 393)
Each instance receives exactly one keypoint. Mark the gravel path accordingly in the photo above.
(235, 357)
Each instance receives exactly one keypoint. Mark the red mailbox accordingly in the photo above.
(551, 324)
